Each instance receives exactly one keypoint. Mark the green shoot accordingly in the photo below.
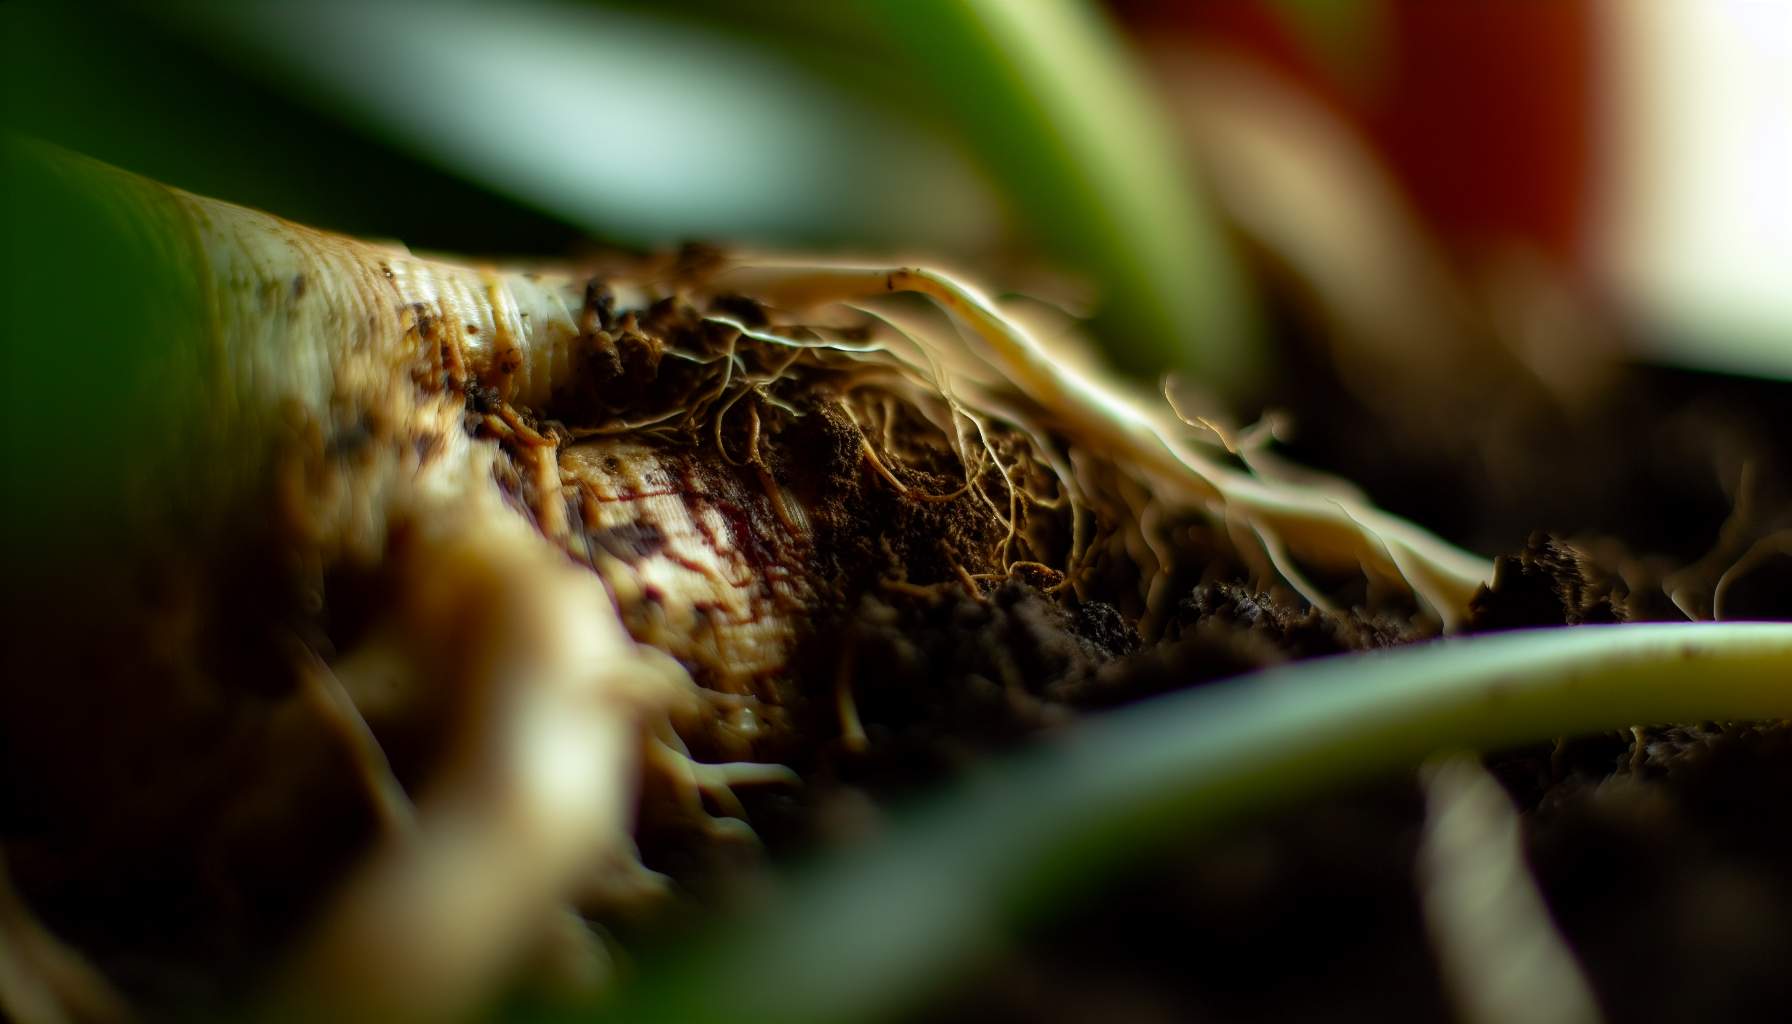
(872, 935)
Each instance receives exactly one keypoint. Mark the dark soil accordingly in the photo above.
(1665, 856)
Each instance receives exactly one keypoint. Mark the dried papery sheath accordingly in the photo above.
(463, 556)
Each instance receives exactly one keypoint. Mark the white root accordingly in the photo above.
(1327, 530)
(517, 332)
(1500, 954)
(549, 699)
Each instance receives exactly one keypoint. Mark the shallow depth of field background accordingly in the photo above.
(1608, 173)
(1219, 192)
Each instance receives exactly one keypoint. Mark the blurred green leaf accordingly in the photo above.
(104, 353)
(1049, 95)
(121, 84)
(638, 129)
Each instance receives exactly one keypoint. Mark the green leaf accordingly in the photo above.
(1054, 103)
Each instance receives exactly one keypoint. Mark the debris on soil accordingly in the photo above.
(1548, 583)
(1661, 852)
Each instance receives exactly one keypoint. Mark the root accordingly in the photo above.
(846, 705)
(43, 981)
(1777, 543)
(1001, 361)
(1501, 956)
(331, 699)
(542, 692)
(694, 780)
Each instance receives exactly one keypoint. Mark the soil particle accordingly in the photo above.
(941, 678)
(1296, 630)
(1549, 583)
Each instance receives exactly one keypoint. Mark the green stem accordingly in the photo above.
(1051, 98)
(875, 934)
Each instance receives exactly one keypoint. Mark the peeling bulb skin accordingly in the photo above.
(702, 561)
(468, 560)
